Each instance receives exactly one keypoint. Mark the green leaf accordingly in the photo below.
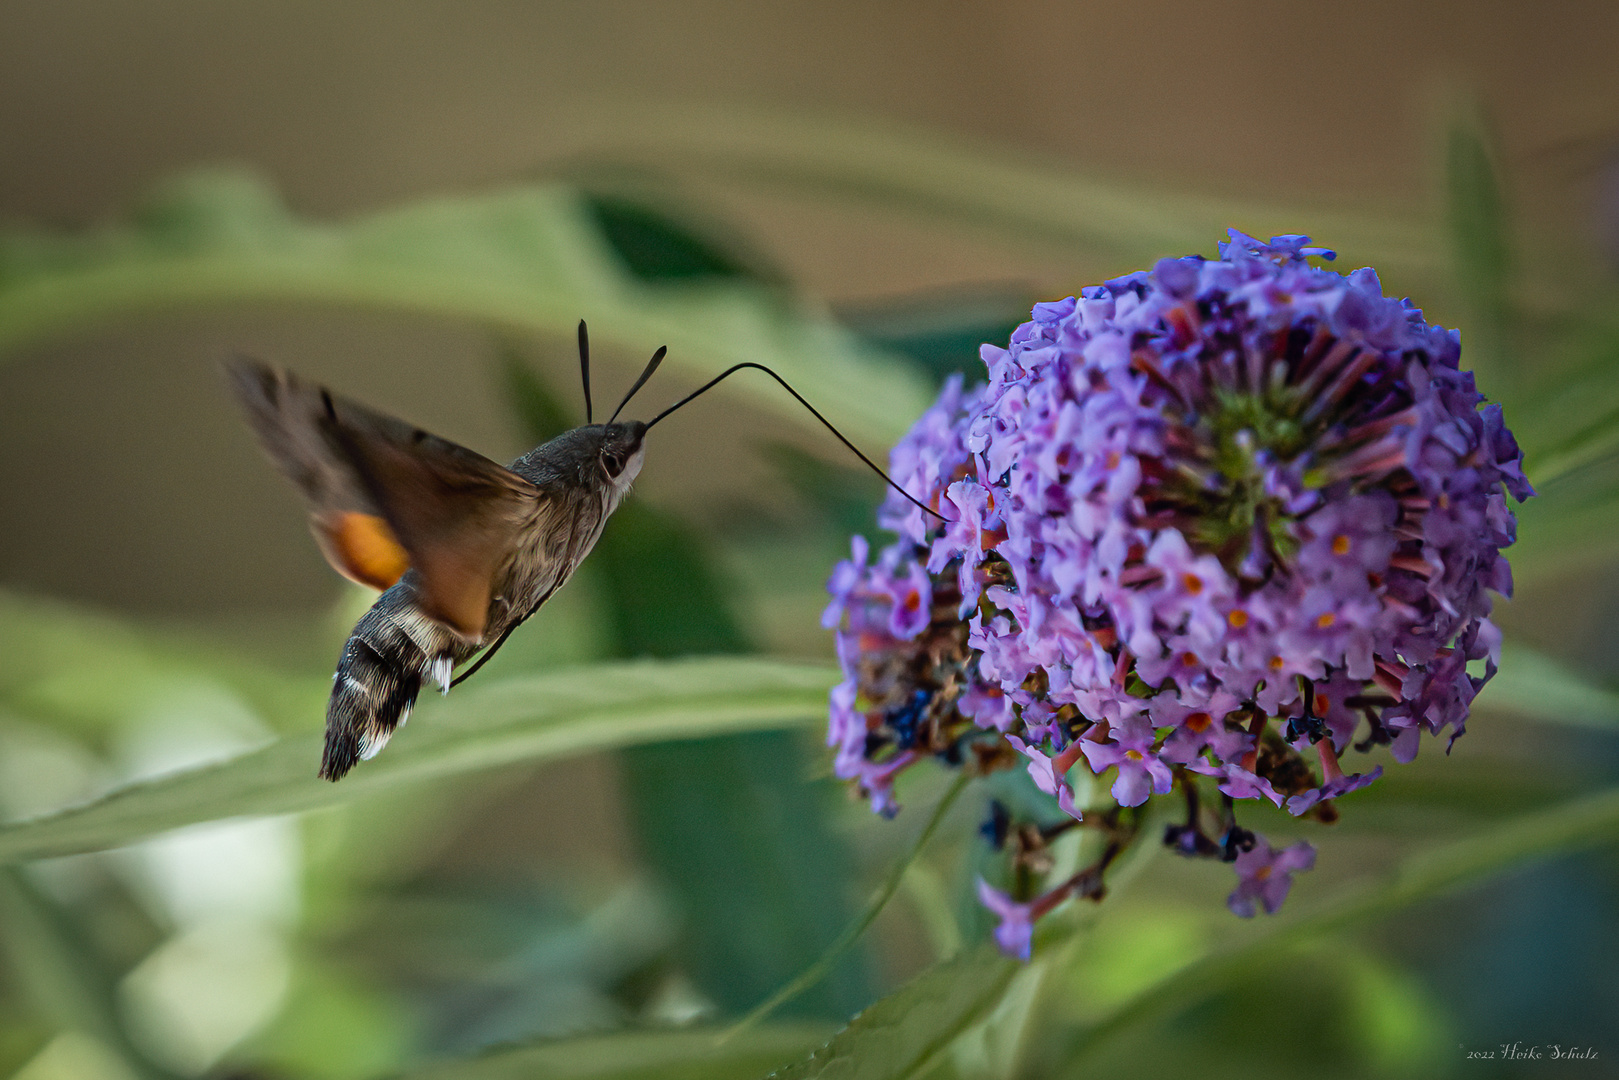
(1568, 419)
(741, 839)
(638, 1055)
(907, 1031)
(1478, 236)
(528, 259)
(532, 718)
(861, 923)
(55, 964)
(740, 842)
(942, 331)
(656, 247)
(1477, 219)
(978, 186)
(1568, 530)
(909, 1028)
(91, 670)
(1593, 442)
(1584, 822)
(1534, 685)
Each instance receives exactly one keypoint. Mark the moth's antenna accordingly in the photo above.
(584, 365)
(715, 381)
(652, 365)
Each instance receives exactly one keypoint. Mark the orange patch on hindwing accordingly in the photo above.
(364, 548)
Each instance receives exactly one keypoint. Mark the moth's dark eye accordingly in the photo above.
(613, 462)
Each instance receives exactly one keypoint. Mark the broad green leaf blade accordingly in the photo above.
(659, 243)
(1477, 220)
(529, 259)
(728, 823)
(906, 1030)
(54, 962)
(638, 1055)
(741, 839)
(861, 923)
(1589, 821)
(741, 843)
(531, 718)
(1534, 685)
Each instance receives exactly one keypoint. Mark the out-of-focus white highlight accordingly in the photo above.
(74, 1056)
(204, 990)
(229, 889)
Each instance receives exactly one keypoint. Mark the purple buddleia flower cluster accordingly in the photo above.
(1202, 524)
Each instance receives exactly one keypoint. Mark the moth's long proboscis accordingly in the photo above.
(716, 380)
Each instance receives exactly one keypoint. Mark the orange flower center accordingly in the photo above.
(1340, 544)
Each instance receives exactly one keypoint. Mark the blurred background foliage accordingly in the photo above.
(599, 856)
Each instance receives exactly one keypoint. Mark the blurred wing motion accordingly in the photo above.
(385, 496)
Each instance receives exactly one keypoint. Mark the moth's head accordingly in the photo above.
(621, 452)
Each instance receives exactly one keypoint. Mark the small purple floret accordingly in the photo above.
(1015, 933)
(1265, 875)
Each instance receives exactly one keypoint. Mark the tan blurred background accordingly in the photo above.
(125, 478)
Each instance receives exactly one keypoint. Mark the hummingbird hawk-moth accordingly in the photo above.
(463, 549)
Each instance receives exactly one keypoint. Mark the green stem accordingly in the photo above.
(851, 933)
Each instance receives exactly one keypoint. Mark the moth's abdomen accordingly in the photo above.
(378, 678)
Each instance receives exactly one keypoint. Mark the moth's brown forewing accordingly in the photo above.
(385, 495)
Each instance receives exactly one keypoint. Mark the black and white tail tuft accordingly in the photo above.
(377, 680)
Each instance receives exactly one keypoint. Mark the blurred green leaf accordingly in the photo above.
(532, 718)
(975, 185)
(1332, 1012)
(1568, 529)
(1564, 420)
(334, 1026)
(1584, 822)
(662, 594)
(1571, 422)
(91, 670)
(1590, 444)
(529, 259)
(638, 1055)
(942, 331)
(846, 497)
(1478, 235)
(885, 892)
(1477, 218)
(60, 970)
(1534, 685)
(906, 1030)
(656, 247)
(728, 825)
(742, 841)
